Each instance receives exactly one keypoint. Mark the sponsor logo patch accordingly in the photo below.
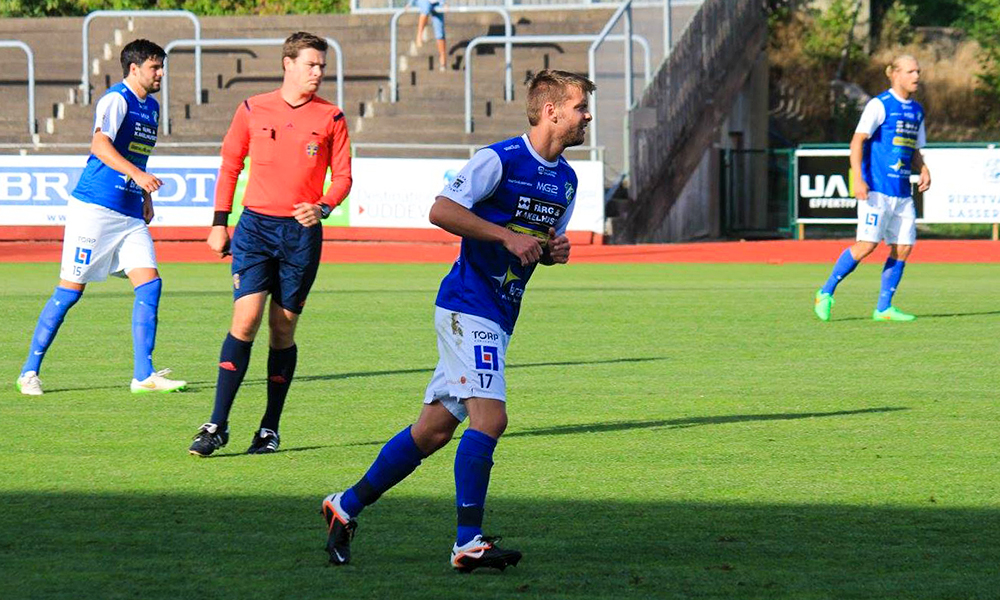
(487, 357)
(82, 256)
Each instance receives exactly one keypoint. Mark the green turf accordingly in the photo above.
(676, 431)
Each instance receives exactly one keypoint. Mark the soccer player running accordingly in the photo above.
(107, 220)
(885, 150)
(292, 136)
(510, 204)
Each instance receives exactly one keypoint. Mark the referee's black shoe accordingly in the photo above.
(209, 439)
(265, 441)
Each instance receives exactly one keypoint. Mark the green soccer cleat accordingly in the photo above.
(891, 314)
(824, 302)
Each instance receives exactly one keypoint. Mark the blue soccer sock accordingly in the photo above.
(280, 370)
(473, 462)
(398, 458)
(144, 309)
(49, 321)
(842, 268)
(892, 272)
(233, 362)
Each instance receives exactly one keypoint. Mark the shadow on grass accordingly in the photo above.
(933, 316)
(200, 385)
(77, 545)
(692, 422)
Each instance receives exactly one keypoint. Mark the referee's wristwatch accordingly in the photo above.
(325, 210)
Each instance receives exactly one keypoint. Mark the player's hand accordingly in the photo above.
(218, 240)
(147, 207)
(860, 189)
(558, 247)
(307, 214)
(528, 249)
(925, 180)
(147, 181)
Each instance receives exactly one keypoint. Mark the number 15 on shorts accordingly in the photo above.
(487, 359)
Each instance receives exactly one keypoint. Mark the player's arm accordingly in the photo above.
(921, 167)
(235, 147)
(459, 220)
(857, 152)
(147, 207)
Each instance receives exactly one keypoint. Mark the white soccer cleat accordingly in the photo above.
(157, 383)
(29, 384)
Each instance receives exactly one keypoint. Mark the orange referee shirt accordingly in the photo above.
(290, 149)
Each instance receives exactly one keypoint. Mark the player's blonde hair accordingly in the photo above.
(897, 64)
(552, 86)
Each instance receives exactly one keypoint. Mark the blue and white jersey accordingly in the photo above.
(896, 130)
(510, 185)
(131, 125)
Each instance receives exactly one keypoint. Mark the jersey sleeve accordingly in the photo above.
(872, 117)
(563, 223)
(921, 136)
(477, 180)
(340, 163)
(109, 114)
(235, 147)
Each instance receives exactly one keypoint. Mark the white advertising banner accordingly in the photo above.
(387, 192)
(965, 185)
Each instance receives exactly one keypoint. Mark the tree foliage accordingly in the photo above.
(73, 8)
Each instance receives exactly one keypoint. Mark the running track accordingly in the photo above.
(769, 252)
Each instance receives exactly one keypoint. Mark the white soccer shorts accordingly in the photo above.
(99, 241)
(890, 218)
(472, 354)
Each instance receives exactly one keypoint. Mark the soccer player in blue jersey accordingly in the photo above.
(885, 150)
(106, 225)
(510, 204)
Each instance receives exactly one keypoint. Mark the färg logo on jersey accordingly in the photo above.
(82, 256)
(487, 357)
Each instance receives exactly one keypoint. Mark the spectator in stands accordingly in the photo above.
(292, 136)
(433, 10)
(107, 220)
(511, 205)
(885, 150)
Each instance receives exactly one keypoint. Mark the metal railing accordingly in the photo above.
(31, 79)
(544, 39)
(393, 52)
(85, 72)
(240, 42)
(624, 10)
(388, 6)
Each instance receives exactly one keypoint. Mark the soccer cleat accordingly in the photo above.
(824, 302)
(265, 441)
(208, 440)
(891, 314)
(157, 383)
(482, 551)
(341, 529)
(29, 384)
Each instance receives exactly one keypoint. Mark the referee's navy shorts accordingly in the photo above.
(275, 255)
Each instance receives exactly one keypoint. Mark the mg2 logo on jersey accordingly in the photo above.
(82, 256)
(487, 357)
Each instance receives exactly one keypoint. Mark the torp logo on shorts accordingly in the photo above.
(487, 357)
(312, 148)
(82, 256)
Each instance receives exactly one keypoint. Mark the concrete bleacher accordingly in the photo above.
(431, 104)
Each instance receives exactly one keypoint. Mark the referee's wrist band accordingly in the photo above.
(220, 218)
(325, 210)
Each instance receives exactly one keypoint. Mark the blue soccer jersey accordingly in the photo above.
(131, 124)
(510, 185)
(888, 154)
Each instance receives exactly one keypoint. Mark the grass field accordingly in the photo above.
(677, 431)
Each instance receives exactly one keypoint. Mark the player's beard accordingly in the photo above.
(575, 137)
